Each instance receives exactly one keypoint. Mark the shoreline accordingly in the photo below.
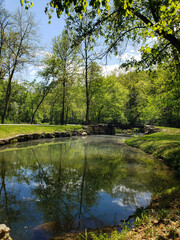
(36, 136)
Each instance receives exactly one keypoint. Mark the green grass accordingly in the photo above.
(12, 130)
(164, 145)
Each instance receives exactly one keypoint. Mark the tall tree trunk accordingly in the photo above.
(67, 112)
(63, 103)
(86, 83)
(8, 92)
(72, 116)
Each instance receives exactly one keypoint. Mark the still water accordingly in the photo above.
(54, 186)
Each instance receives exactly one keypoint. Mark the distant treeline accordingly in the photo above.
(146, 97)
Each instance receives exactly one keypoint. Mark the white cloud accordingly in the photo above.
(119, 202)
(41, 53)
(132, 54)
(108, 69)
(33, 70)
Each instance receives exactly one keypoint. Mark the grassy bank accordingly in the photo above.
(12, 130)
(164, 145)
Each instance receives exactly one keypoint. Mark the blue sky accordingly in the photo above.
(48, 31)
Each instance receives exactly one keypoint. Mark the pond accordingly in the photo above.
(49, 187)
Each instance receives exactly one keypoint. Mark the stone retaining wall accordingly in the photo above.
(100, 129)
(34, 136)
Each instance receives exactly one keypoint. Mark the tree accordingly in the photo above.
(92, 80)
(18, 49)
(5, 22)
(162, 92)
(129, 19)
(86, 56)
(88, 51)
(109, 100)
(62, 66)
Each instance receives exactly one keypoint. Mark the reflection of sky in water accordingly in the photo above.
(141, 200)
(106, 211)
(109, 193)
(110, 211)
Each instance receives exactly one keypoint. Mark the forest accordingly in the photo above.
(71, 87)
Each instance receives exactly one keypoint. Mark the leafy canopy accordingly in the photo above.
(141, 18)
(77, 6)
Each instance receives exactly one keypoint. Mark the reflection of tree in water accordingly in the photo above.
(87, 196)
(10, 207)
(64, 193)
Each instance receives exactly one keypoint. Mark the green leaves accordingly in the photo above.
(78, 6)
(99, 12)
(27, 3)
(163, 8)
(22, 2)
(147, 50)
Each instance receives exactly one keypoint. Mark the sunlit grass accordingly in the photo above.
(12, 130)
(164, 145)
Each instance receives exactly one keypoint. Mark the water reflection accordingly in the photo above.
(72, 184)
